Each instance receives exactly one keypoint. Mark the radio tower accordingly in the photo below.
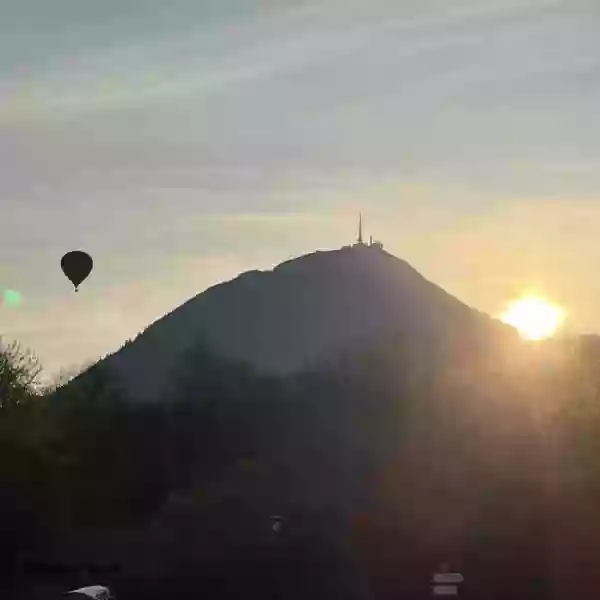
(360, 232)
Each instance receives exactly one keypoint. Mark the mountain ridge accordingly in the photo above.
(303, 311)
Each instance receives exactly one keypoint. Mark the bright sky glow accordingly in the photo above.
(533, 318)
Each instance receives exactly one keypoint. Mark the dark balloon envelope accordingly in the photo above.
(76, 265)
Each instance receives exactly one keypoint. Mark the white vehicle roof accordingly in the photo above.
(97, 592)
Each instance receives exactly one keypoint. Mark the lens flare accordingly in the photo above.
(533, 317)
(12, 298)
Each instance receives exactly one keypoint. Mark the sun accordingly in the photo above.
(533, 317)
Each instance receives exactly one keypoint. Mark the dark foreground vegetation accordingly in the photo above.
(480, 451)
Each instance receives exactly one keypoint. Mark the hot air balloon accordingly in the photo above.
(76, 265)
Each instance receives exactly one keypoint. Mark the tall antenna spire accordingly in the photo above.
(360, 235)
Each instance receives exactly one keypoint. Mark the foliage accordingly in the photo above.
(382, 465)
(19, 373)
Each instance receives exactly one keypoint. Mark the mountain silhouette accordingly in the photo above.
(301, 313)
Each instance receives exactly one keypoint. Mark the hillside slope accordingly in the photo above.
(304, 311)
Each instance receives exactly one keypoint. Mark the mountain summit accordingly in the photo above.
(302, 312)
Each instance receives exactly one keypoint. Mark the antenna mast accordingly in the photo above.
(360, 235)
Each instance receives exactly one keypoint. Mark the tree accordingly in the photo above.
(19, 373)
(23, 467)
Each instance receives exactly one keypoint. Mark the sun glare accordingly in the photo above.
(534, 318)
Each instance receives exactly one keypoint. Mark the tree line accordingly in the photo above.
(479, 451)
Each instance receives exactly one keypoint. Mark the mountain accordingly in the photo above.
(443, 444)
(301, 313)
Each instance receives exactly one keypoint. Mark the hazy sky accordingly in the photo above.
(182, 142)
